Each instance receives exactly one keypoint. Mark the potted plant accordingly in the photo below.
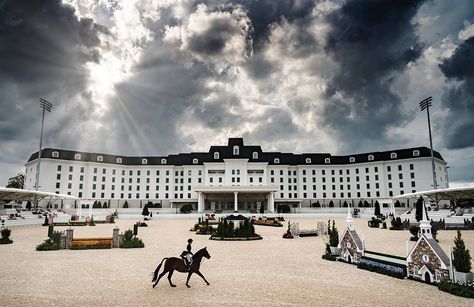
(462, 261)
(333, 239)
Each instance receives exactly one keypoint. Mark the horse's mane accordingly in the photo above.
(199, 253)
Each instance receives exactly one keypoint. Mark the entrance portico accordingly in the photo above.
(249, 197)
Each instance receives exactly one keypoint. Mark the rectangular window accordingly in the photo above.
(357, 171)
(400, 176)
(399, 167)
(412, 167)
(58, 176)
(390, 193)
(366, 170)
(69, 185)
(389, 176)
(82, 169)
(413, 184)
(412, 175)
(95, 170)
(70, 168)
(376, 169)
(313, 172)
(401, 184)
(389, 169)
(102, 195)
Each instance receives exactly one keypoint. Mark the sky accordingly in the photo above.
(140, 77)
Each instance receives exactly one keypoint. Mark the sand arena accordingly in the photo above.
(272, 271)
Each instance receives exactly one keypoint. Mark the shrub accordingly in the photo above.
(377, 209)
(457, 289)
(186, 208)
(28, 205)
(333, 235)
(285, 209)
(131, 242)
(329, 257)
(6, 236)
(145, 211)
(51, 243)
(134, 243)
(125, 205)
(91, 222)
(461, 255)
(414, 230)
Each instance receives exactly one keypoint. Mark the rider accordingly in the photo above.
(187, 255)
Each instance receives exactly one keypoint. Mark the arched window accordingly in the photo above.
(276, 161)
(100, 159)
(308, 160)
(163, 161)
(144, 161)
(438, 276)
(393, 155)
(236, 150)
(327, 160)
(416, 153)
(255, 155)
(415, 271)
(77, 157)
(371, 158)
(55, 154)
(195, 161)
(216, 156)
(119, 160)
(352, 160)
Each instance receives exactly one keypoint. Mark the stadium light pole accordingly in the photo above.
(426, 104)
(46, 106)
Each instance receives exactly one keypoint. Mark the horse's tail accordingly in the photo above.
(155, 275)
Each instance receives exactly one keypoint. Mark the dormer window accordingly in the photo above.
(352, 160)
(371, 158)
(393, 155)
(119, 160)
(416, 153)
(163, 161)
(276, 161)
(236, 150)
(216, 156)
(77, 157)
(327, 160)
(195, 161)
(144, 161)
(55, 154)
(308, 160)
(255, 155)
(100, 159)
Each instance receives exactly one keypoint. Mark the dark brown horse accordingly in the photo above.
(173, 263)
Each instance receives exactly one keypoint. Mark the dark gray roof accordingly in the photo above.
(438, 250)
(357, 239)
(245, 152)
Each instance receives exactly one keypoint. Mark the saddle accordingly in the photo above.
(186, 259)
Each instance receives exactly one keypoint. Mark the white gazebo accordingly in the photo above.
(437, 195)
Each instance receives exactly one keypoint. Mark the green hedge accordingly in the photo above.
(329, 257)
(134, 243)
(457, 289)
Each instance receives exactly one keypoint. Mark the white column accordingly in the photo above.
(200, 202)
(236, 208)
(271, 202)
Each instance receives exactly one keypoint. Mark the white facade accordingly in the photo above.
(305, 183)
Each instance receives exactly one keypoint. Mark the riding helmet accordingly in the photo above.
(190, 240)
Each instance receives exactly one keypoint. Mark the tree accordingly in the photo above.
(331, 204)
(17, 182)
(104, 205)
(419, 209)
(333, 236)
(125, 205)
(262, 209)
(377, 209)
(345, 204)
(28, 205)
(145, 211)
(461, 255)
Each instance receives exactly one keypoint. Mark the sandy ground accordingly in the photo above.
(272, 271)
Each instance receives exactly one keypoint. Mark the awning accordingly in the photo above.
(19, 195)
(442, 194)
(232, 189)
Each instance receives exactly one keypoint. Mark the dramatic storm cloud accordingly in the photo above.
(459, 96)
(141, 77)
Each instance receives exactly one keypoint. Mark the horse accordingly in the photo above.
(174, 263)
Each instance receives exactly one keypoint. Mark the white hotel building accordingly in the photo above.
(236, 177)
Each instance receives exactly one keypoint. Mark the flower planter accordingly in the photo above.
(463, 278)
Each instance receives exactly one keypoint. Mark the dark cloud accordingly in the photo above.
(458, 96)
(43, 49)
(371, 41)
(265, 12)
